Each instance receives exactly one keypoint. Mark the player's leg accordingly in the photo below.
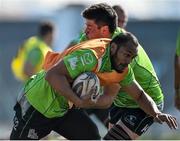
(30, 125)
(101, 114)
(128, 123)
(77, 125)
(116, 132)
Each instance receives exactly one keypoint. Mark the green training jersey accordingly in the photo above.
(144, 74)
(46, 100)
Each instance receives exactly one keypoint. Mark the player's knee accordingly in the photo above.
(116, 133)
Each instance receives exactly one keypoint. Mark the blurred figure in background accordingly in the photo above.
(122, 16)
(177, 73)
(30, 55)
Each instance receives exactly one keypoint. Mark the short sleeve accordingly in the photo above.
(80, 61)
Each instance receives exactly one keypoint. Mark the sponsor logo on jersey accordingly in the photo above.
(73, 62)
(87, 58)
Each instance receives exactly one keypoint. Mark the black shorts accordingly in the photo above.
(133, 118)
(74, 125)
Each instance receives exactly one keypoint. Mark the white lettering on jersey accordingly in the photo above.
(87, 58)
(73, 62)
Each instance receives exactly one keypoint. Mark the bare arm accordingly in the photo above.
(59, 78)
(106, 99)
(145, 101)
(148, 105)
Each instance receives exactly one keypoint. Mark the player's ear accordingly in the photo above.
(113, 48)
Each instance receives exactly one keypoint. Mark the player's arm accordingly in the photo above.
(107, 98)
(62, 74)
(111, 91)
(58, 77)
(145, 101)
(130, 85)
(147, 104)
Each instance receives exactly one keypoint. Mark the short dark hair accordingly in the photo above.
(45, 28)
(122, 15)
(118, 8)
(125, 39)
(103, 14)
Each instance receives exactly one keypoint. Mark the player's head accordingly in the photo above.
(122, 16)
(46, 32)
(123, 50)
(100, 20)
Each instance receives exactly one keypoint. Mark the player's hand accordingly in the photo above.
(177, 100)
(86, 102)
(169, 119)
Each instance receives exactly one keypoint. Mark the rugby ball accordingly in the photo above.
(85, 83)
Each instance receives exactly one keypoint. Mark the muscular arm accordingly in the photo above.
(148, 105)
(58, 77)
(106, 99)
(145, 101)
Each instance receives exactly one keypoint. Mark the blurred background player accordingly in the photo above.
(122, 16)
(30, 56)
(177, 73)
